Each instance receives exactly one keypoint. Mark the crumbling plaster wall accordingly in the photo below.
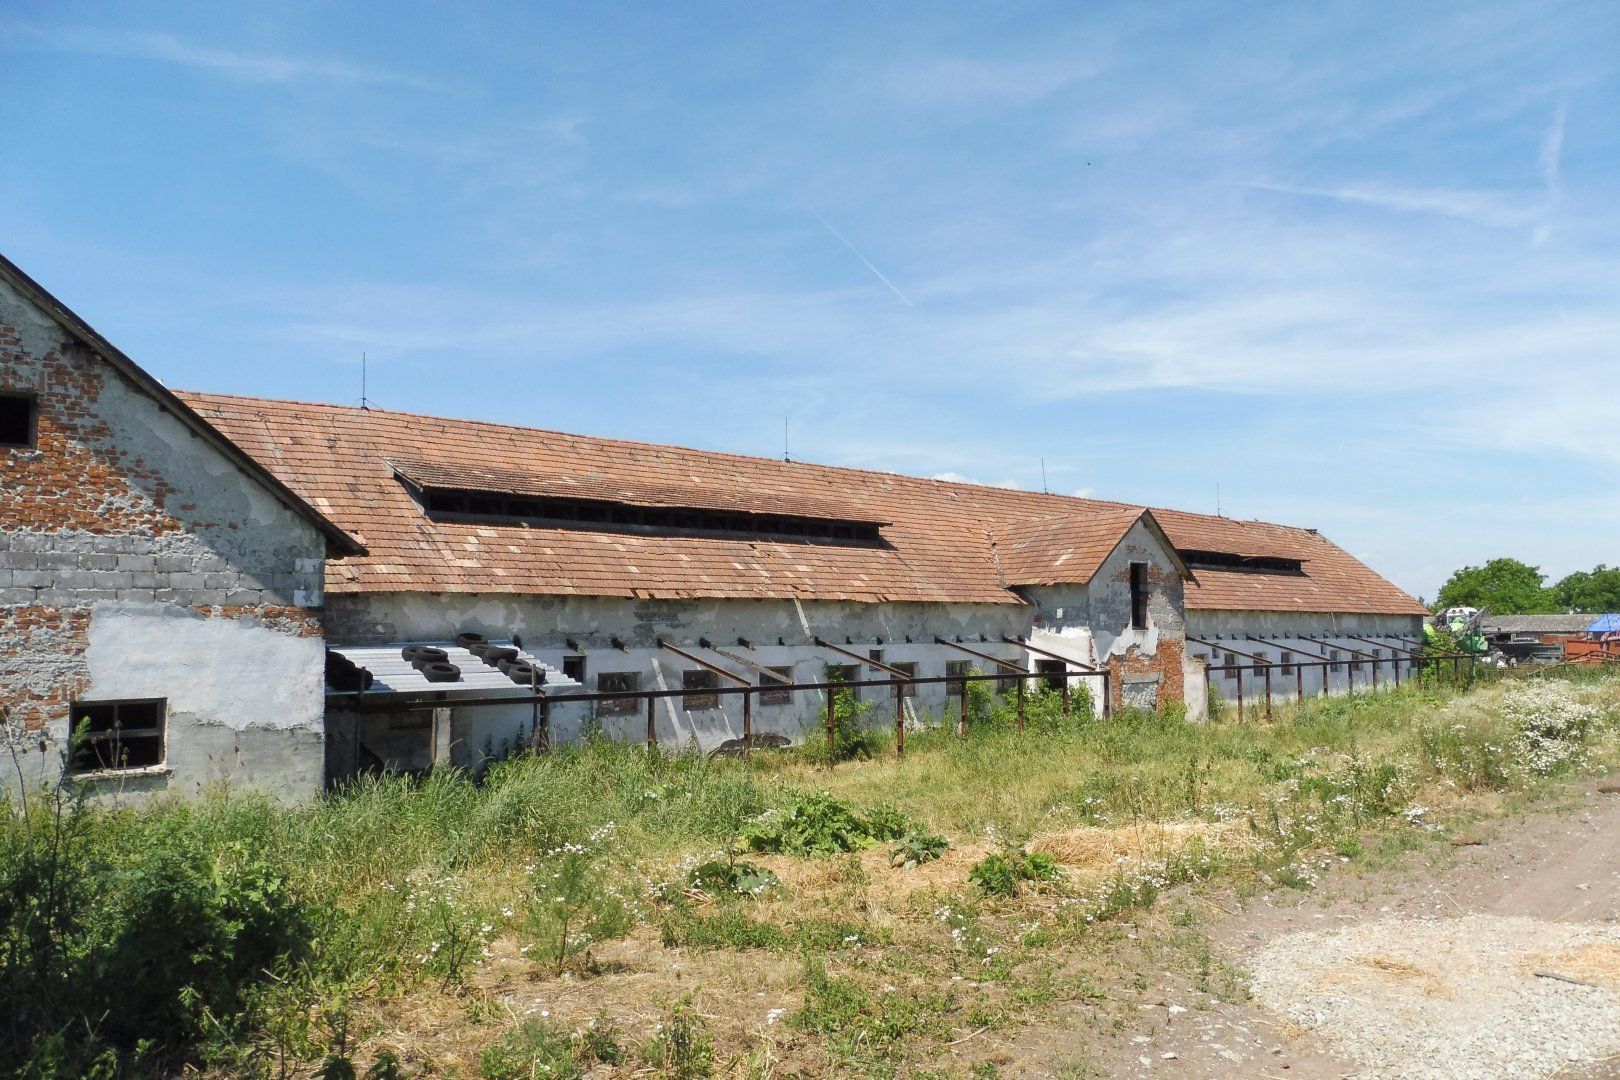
(1145, 664)
(780, 630)
(136, 560)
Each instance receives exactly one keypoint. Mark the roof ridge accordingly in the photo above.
(1058, 511)
(1076, 499)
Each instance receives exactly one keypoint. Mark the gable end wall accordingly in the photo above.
(137, 561)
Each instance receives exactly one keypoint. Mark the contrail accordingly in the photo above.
(857, 253)
(1552, 150)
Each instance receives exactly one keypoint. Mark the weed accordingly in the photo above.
(731, 877)
(545, 1048)
(819, 825)
(682, 1048)
(916, 847)
(1003, 873)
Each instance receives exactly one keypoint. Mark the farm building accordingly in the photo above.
(157, 585)
(597, 566)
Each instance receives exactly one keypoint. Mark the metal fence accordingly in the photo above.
(1417, 665)
(543, 703)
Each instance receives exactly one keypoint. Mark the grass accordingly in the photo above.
(592, 909)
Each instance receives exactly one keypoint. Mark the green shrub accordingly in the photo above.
(571, 904)
(820, 825)
(916, 847)
(1004, 873)
(851, 739)
(143, 954)
(731, 877)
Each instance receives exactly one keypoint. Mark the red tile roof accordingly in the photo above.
(942, 541)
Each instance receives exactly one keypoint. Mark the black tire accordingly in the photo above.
(414, 653)
(494, 654)
(479, 649)
(525, 674)
(349, 681)
(469, 639)
(441, 672)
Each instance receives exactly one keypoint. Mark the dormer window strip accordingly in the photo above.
(456, 504)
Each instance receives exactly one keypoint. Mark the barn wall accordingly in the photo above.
(138, 561)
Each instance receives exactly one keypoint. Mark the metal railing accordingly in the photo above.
(1415, 663)
(542, 703)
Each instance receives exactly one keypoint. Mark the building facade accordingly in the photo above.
(221, 589)
(158, 589)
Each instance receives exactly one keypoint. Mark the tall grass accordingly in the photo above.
(240, 932)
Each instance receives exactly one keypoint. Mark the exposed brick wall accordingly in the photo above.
(120, 504)
(1165, 662)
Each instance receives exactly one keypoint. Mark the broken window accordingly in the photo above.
(117, 734)
(617, 682)
(700, 679)
(775, 695)
(18, 420)
(574, 668)
(1006, 680)
(1230, 664)
(955, 670)
(1333, 654)
(1053, 673)
(909, 669)
(1139, 596)
(875, 655)
(1287, 662)
(845, 673)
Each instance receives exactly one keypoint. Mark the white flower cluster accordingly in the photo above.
(1550, 725)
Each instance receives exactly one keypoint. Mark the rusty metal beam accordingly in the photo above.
(896, 672)
(1021, 669)
(702, 663)
(1228, 648)
(1038, 651)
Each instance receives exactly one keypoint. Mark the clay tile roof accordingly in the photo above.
(1064, 548)
(607, 487)
(941, 542)
(1332, 578)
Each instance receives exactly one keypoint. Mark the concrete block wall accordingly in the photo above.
(122, 526)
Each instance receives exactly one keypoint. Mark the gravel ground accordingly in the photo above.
(1433, 998)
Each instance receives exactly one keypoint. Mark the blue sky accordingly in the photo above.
(1356, 264)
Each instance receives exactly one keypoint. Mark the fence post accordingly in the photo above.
(1375, 673)
(830, 725)
(1299, 684)
(1240, 693)
(1020, 704)
(1268, 691)
(1108, 693)
(1065, 693)
(900, 718)
(652, 719)
(961, 725)
(545, 724)
(748, 720)
(1327, 676)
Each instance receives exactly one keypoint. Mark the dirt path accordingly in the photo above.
(1426, 970)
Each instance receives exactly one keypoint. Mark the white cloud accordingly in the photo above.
(242, 66)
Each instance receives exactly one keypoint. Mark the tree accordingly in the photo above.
(1506, 586)
(1590, 592)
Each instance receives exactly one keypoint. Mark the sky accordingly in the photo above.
(1347, 266)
